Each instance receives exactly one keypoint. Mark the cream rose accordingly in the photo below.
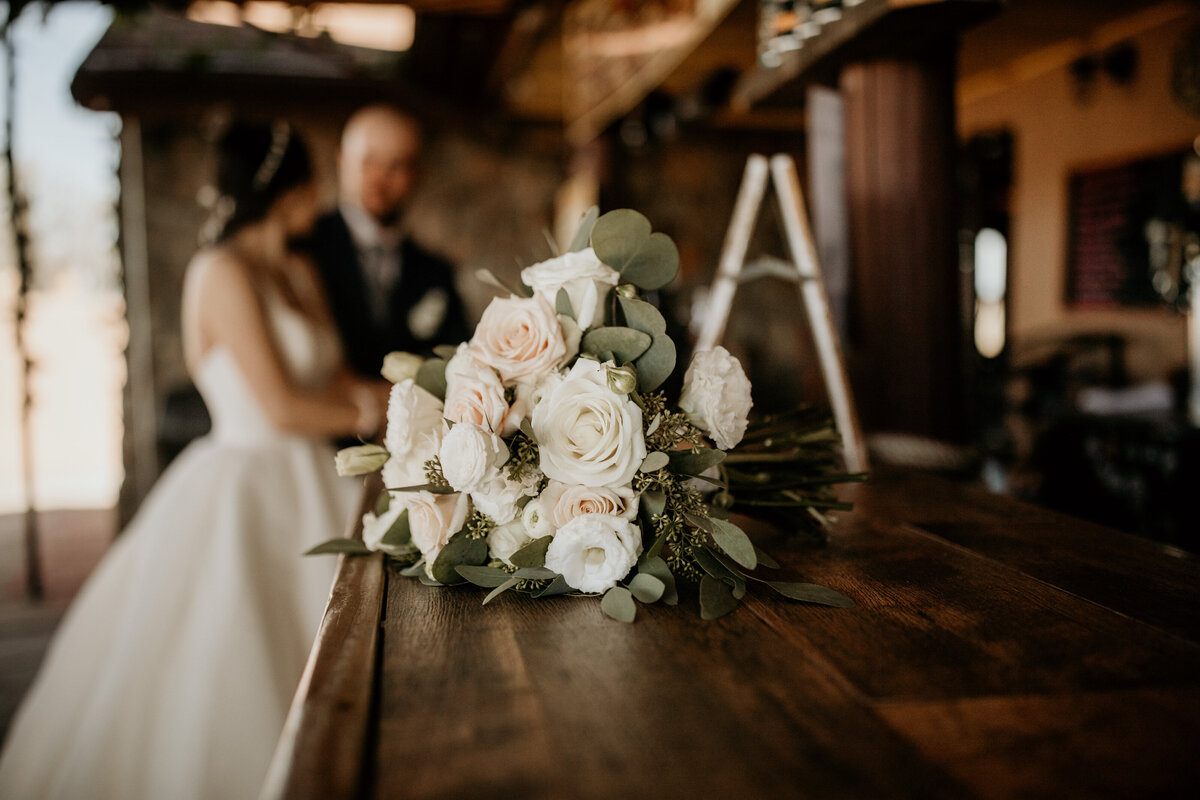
(565, 501)
(716, 396)
(586, 433)
(434, 518)
(504, 540)
(520, 338)
(586, 278)
(594, 551)
(475, 394)
(472, 457)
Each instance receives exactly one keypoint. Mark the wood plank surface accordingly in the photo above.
(964, 670)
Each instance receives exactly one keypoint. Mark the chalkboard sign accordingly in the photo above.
(1108, 252)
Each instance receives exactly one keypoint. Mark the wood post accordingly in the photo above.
(900, 154)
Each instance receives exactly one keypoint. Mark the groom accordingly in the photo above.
(386, 292)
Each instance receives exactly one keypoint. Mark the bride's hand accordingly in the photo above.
(371, 399)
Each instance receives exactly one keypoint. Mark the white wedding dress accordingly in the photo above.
(171, 674)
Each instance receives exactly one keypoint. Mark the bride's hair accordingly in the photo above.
(255, 165)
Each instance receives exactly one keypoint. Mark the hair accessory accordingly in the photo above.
(281, 136)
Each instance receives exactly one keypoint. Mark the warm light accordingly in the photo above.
(991, 284)
(383, 26)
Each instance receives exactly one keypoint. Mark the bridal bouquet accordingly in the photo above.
(540, 457)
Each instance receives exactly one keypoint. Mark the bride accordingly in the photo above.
(172, 672)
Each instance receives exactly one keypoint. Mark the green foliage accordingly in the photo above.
(398, 534)
(382, 503)
(523, 457)
(501, 589)
(350, 547)
(812, 593)
(433, 474)
(655, 566)
(461, 550)
(716, 598)
(478, 525)
(654, 461)
(672, 428)
(625, 344)
(532, 554)
(623, 240)
(696, 461)
(432, 377)
(486, 577)
(647, 588)
(618, 604)
(562, 304)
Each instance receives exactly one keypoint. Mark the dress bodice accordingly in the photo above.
(310, 355)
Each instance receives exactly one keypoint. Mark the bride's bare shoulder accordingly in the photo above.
(218, 271)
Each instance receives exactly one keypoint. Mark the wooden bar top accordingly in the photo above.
(996, 650)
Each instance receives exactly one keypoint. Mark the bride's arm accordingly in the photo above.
(230, 315)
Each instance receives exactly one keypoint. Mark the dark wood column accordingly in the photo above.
(904, 317)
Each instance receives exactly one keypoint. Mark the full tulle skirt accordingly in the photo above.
(172, 672)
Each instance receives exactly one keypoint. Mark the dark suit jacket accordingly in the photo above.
(423, 276)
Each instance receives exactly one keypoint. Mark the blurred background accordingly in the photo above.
(1005, 198)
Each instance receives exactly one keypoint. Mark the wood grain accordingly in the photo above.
(963, 671)
(320, 752)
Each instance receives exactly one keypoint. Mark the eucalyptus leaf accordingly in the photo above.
(647, 588)
(445, 351)
(527, 429)
(428, 581)
(656, 566)
(460, 550)
(625, 344)
(501, 589)
(415, 569)
(765, 560)
(558, 586)
(656, 364)
(734, 541)
(532, 554)
(812, 593)
(716, 599)
(350, 547)
(618, 604)
(486, 577)
(432, 377)
(715, 569)
(484, 275)
(562, 305)
(655, 461)
(623, 240)
(535, 574)
(659, 544)
(583, 234)
(432, 488)
(642, 316)
(685, 463)
(653, 502)
(382, 503)
(399, 534)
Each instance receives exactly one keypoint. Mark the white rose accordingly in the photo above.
(565, 502)
(594, 551)
(586, 433)
(472, 457)
(504, 540)
(413, 414)
(499, 499)
(716, 396)
(538, 523)
(586, 278)
(434, 518)
(374, 527)
(475, 394)
(399, 366)
(520, 338)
